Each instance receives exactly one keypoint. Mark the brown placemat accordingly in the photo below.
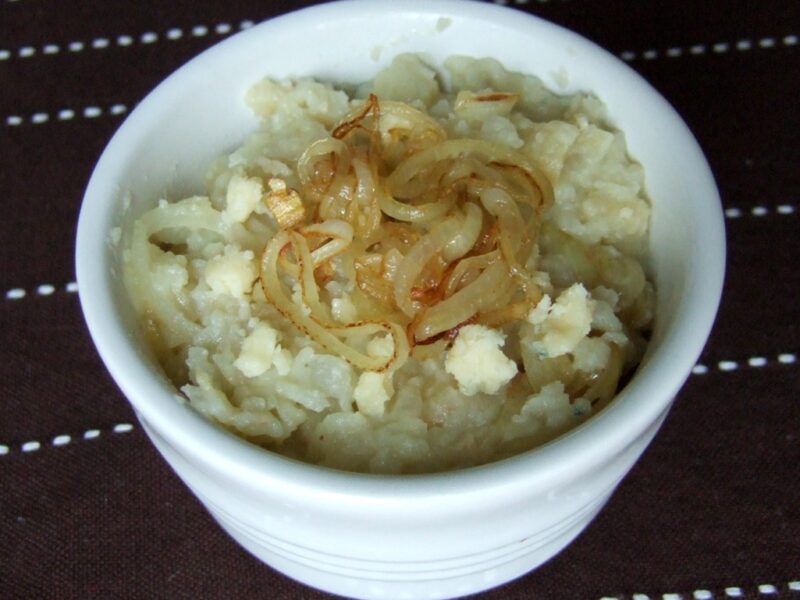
(89, 510)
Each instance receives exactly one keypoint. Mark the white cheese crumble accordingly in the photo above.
(261, 350)
(559, 326)
(243, 198)
(477, 362)
(370, 393)
(232, 272)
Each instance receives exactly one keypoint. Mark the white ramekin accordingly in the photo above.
(418, 536)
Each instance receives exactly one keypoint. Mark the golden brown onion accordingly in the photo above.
(416, 260)
(324, 333)
(465, 303)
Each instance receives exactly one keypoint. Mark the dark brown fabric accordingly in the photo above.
(713, 505)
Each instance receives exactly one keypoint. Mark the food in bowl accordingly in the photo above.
(424, 272)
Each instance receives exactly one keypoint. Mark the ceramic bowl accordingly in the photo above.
(432, 536)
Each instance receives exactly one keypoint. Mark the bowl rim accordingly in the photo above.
(539, 468)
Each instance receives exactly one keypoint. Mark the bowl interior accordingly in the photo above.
(168, 141)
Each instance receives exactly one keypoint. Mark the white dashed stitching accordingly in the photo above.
(755, 362)
(45, 289)
(64, 439)
(32, 446)
(124, 41)
(765, 43)
(66, 114)
(734, 212)
(764, 589)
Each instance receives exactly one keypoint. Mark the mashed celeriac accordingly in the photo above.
(427, 271)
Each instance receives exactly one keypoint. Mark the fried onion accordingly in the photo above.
(318, 328)
(433, 231)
